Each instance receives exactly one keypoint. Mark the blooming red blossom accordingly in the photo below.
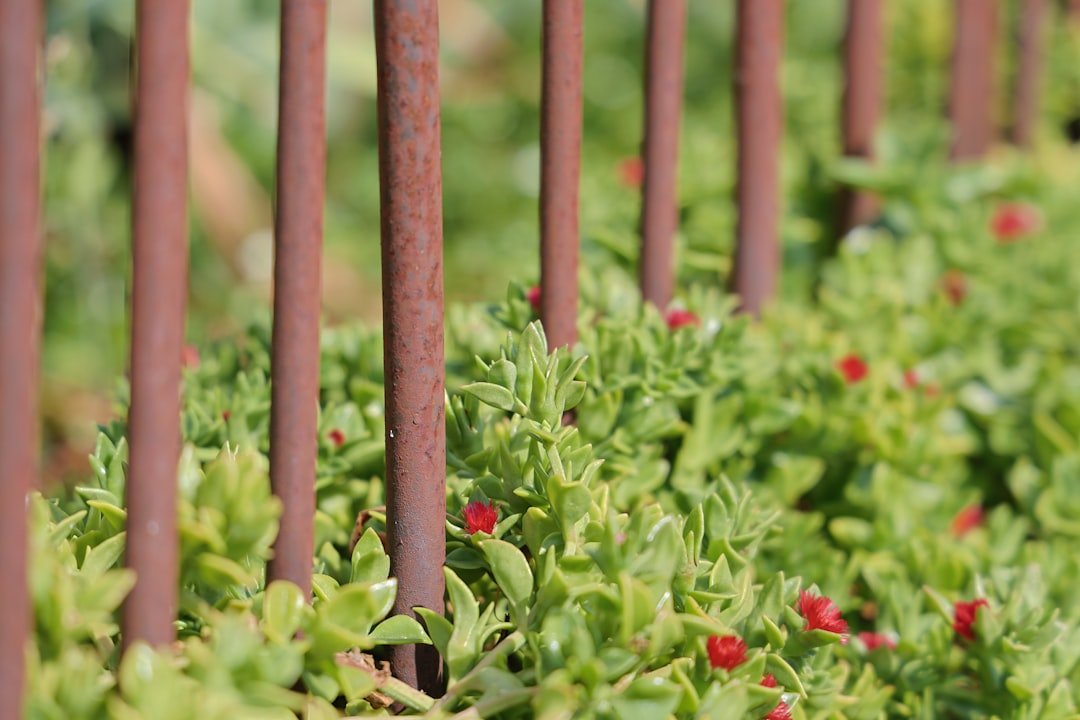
(1011, 221)
(631, 172)
(853, 368)
(967, 520)
(821, 613)
(964, 617)
(533, 296)
(873, 640)
(768, 681)
(728, 651)
(189, 357)
(678, 317)
(780, 712)
(911, 379)
(954, 285)
(480, 517)
(337, 437)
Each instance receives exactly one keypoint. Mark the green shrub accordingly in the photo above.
(905, 446)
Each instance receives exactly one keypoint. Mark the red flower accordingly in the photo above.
(780, 712)
(1012, 221)
(967, 520)
(631, 172)
(480, 517)
(853, 368)
(726, 652)
(768, 681)
(533, 296)
(226, 414)
(337, 437)
(964, 617)
(189, 357)
(873, 640)
(821, 613)
(677, 318)
(911, 379)
(954, 284)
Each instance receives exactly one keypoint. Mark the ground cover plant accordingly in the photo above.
(860, 507)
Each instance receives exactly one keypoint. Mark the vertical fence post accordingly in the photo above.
(971, 95)
(20, 325)
(159, 295)
(759, 117)
(863, 53)
(301, 182)
(1028, 70)
(410, 180)
(560, 167)
(663, 107)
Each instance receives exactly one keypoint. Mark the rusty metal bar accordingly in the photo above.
(759, 117)
(407, 51)
(159, 295)
(560, 168)
(971, 95)
(1029, 68)
(301, 182)
(663, 108)
(863, 55)
(21, 29)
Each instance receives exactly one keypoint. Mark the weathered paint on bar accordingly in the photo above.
(759, 117)
(663, 109)
(21, 31)
(863, 73)
(407, 47)
(159, 296)
(971, 94)
(560, 168)
(1031, 41)
(301, 185)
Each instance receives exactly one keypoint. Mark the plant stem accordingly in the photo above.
(506, 646)
(406, 695)
(503, 701)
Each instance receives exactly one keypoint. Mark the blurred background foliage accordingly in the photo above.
(490, 86)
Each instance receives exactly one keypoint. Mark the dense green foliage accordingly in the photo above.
(714, 472)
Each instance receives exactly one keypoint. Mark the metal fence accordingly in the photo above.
(411, 215)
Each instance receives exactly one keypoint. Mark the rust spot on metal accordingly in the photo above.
(159, 296)
(301, 184)
(21, 246)
(759, 117)
(663, 108)
(863, 55)
(971, 93)
(1032, 39)
(560, 168)
(407, 49)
